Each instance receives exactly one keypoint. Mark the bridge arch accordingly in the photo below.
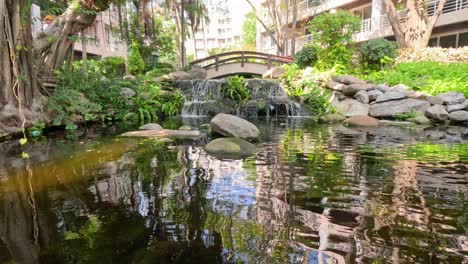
(239, 63)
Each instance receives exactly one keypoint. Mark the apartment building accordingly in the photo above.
(451, 29)
(223, 31)
(101, 39)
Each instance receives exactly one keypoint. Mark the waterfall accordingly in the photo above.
(268, 98)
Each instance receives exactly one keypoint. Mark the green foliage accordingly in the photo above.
(161, 69)
(316, 100)
(406, 116)
(249, 29)
(292, 72)
(109, 67)
(430, 77)
(307, 56)
(235, 89)
(332, 35)
(172, 104)
(147, 102)
(378, 52)
(164, 39)
(136, 65)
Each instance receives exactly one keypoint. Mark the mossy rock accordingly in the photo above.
(230, 148)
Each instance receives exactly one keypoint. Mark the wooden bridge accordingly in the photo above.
(239, 63)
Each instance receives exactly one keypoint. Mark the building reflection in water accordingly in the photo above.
(321, 195)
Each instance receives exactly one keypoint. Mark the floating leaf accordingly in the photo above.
(24, 155)
(23, 141)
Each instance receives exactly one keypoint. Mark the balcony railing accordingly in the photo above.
(383, 21)
(90, 40)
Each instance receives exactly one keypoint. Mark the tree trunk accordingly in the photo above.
(418, 27)
(293, 30)
(182, 40)
(20, 92)
(52, 54)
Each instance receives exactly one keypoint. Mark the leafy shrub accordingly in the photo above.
(316, 101)
(147, 102)
(235, 89)
(426, 76)
(378, 52)
(307, 56)
(172, 104)
(161, 69)
(292, 72)
(110, 67)
(332, 37)
(136, 65)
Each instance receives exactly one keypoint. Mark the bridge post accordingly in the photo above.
(242, 59)
(216, 62)
(269, 61)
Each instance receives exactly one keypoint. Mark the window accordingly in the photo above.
(221, 42)
(211, 43)
(463, 39)
(449, 41)
(237, 39)
(433, 42)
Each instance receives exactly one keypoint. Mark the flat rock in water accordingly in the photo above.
(331, 118)
(351, 107)
(230, 148)
(361, 121)
(163, 133)
(398, 107)
(233, 126)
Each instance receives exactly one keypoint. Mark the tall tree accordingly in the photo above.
(278, 29)
(417, 30)
(249, 30)
(197, 13)
(294, 27)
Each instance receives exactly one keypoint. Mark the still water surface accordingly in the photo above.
(312, 194)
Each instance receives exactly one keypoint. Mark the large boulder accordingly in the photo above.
(129, 78)
(127, 93)
(401, 88)
(374, 94)
(351, 107)
(450, 98)
(362, 97)
(197, 74)
(151, 126)
(273, 73)
(349, 79)
(459, 116)
(392, 95)
(233, 126)
(398, 107)
(437, 113)
(352, 89)
(180, 76)
(361, 121)
(455, 107)
(383, 88)
(230, 148)
(336, 86)
(434, 100)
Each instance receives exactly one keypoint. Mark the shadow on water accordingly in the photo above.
(312, 194)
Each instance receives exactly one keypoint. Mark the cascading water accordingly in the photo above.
(267, 98)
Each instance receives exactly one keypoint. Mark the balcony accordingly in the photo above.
(454, 11)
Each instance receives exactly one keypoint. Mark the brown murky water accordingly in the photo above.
(312, 194)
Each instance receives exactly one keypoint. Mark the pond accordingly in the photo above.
(312, 194)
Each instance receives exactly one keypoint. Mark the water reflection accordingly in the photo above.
(312, 194)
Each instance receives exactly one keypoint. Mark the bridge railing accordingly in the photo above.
(241, 57)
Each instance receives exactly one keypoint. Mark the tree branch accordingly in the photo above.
(394, 20)
(262, 23)
(437, 13)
